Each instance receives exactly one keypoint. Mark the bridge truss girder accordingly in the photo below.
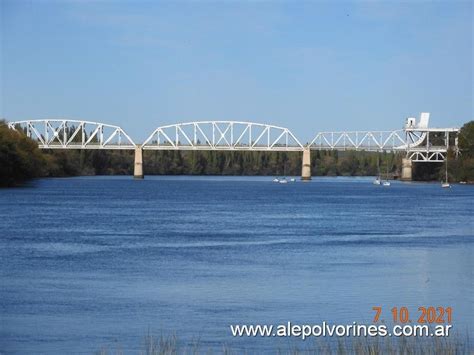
(414, 142)
(74, 134)
(359, 140)
(222, 135)
(432, 156)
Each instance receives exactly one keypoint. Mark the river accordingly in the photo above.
(100, 261)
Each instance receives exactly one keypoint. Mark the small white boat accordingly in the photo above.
(283, 181)
(377, 181)
(462, 182)
(386, 182)
(446, 185)
(275, 180)
(292, 179)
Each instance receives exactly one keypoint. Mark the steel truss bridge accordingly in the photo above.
(420, 143)
(73, 134)
(222, 135)
(415, 143)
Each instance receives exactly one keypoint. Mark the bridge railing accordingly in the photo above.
(222, 135)
(74, 134)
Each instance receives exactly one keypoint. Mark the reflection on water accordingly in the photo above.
(93, 261)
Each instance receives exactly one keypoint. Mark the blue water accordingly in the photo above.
(100, 261)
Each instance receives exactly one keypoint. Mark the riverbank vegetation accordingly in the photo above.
(20, 160)
(462, 168)
(454, 345)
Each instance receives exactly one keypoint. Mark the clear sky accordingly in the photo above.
(309, 66)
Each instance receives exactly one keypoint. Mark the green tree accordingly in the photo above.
(20, 158)
(463, 167)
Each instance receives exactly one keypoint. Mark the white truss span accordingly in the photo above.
(421, 155)
(416, 144)
(360, 140)
(222, 135)
(414, 140)
(73, 134)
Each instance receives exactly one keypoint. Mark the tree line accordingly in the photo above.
(20, 160)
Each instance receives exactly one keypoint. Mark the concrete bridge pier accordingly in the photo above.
(138, 167)
(306, 166)
(406, 169)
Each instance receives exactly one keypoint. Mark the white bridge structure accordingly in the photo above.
(417, 141)
(73, 134)
(222, 135)
(413, 139)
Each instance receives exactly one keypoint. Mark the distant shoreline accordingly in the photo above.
(297, 177)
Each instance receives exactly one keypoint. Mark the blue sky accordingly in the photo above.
(309, 66)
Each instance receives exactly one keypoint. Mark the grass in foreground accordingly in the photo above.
(455, 345)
